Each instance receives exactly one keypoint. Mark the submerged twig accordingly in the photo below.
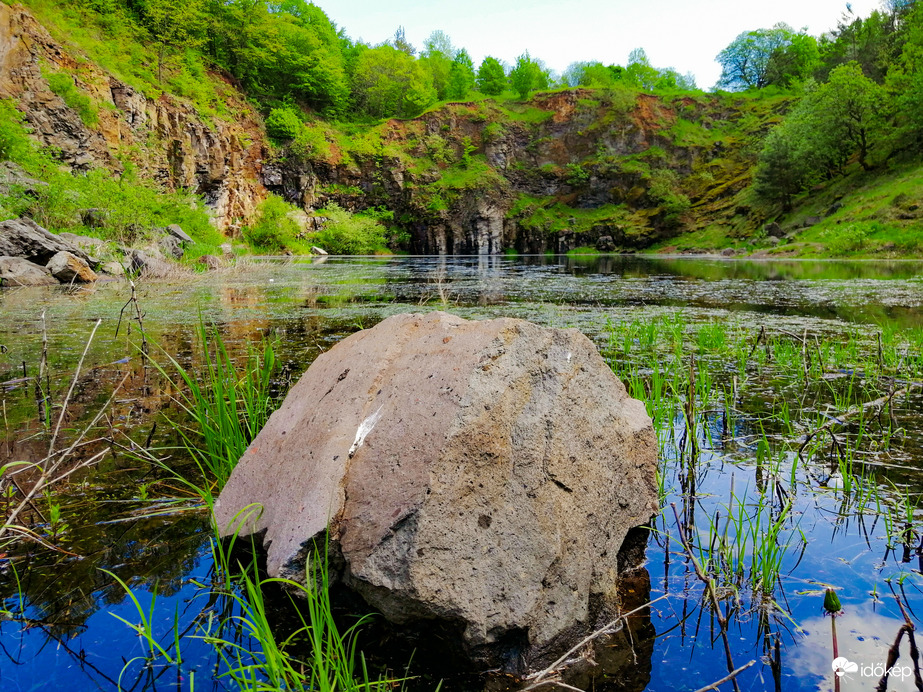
(608, 628)
(727, 678)
(70, 391)
(133, 300)
(50, 469)
(843, 418)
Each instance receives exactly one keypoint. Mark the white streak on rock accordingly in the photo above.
(365, 427)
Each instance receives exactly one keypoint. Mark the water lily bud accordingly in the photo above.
(832, 602)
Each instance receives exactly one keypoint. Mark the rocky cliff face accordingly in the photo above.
(568, 170)
(165, 137)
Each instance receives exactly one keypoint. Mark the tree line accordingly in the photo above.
(861, 95)
(289, 51)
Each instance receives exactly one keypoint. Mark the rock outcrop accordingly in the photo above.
(26, 239)
(478, 474)
(172, 144)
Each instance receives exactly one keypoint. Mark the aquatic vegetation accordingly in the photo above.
(227, 404)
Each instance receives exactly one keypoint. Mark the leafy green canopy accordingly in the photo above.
(491, 78)
(756, 59)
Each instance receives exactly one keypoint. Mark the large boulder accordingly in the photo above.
(25, 238)
(479, 474)
(16, 271)
(68, 268)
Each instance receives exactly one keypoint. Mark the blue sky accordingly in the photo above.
(683, 34)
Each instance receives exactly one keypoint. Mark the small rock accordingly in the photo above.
(16, 271)
(772, 241)
(146, 265)
(605, 244)
(317, 250)
(834, 208)
(113, 268)
(211, 262)
(227, 250)
(728, 252)
(177, 232)
(172, 246)
(774, 230)
(94, 218)
(68, 268)
(811, 221)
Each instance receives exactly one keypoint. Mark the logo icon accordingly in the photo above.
(841, 666)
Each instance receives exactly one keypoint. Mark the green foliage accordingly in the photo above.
(756, 59)
(576, 174)
(461, 76)
(173, 24)
(593, 74)
(527, 76)
(837, 121)
(273, 229)
(437, 60)
(14, 141)
(467, 149)
(664, 189)
(491, 78)
(228, 403)
(389, 82)
(283, 124)
(63, 85)
(350, 234)
(640, 72)
(310, 143)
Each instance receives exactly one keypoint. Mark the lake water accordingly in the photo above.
(745, 456)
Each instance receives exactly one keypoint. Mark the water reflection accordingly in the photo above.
(311, 306)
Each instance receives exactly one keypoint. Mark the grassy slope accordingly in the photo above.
(878, 217)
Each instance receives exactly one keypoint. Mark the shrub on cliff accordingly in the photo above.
(283, 124)
(350, 234)
(273, 229)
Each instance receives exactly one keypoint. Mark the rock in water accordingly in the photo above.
(68, 268)
(16, 271)
(482, 474)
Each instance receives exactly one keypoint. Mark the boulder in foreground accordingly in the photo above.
(478, 474)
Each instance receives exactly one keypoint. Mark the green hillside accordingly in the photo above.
(812, 149)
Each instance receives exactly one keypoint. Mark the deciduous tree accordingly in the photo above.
(491, 78)
(746, 62)
(461, 76)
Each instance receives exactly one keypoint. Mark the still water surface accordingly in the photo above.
(71, 640)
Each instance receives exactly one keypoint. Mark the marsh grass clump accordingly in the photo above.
(226, 402)
(804, 416)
